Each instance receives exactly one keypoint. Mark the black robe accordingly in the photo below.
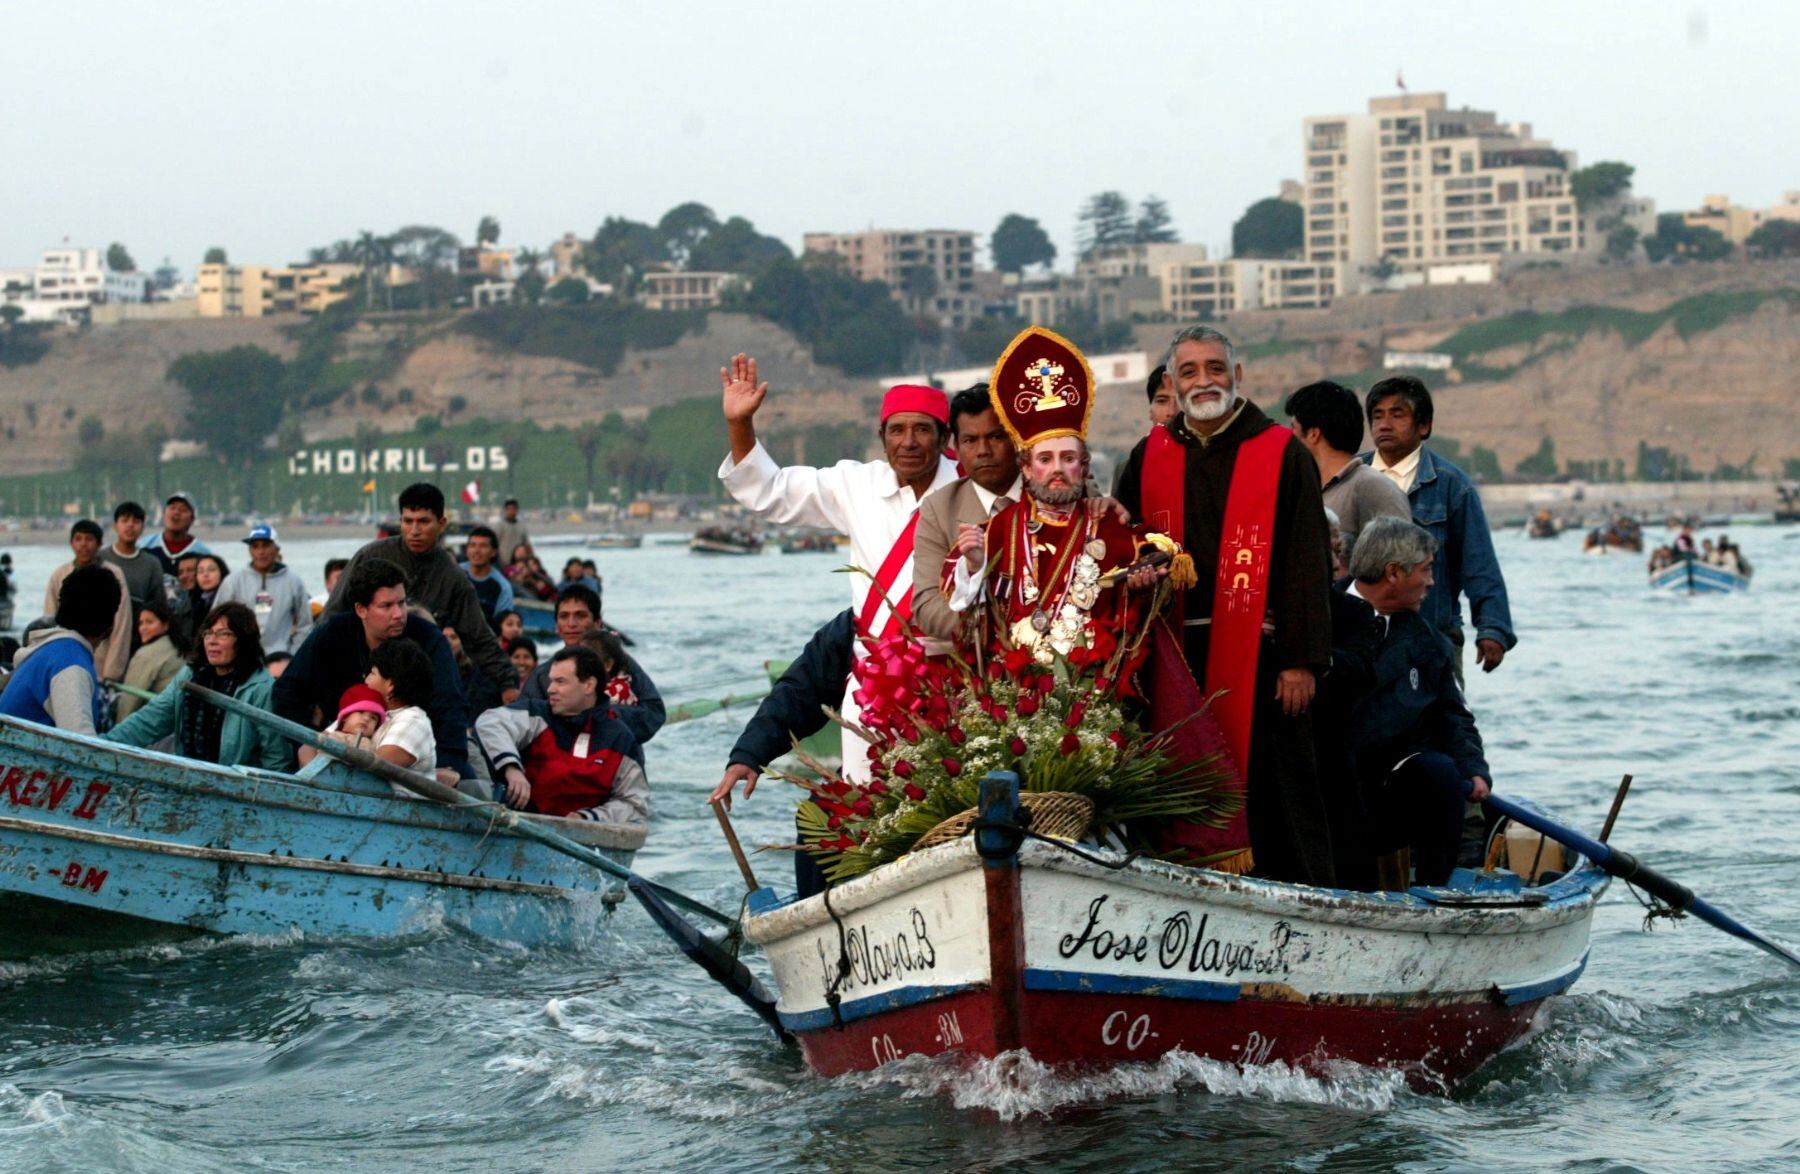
(1288, 829)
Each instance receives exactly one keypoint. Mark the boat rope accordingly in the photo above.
(1654, 908)
(832, 998)
(1072, 850)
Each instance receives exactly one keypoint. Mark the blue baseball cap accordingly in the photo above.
(261, 533)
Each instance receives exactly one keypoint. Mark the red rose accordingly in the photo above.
(1076, 713)
(864, 808)
(834, 823)
(1017, 659)
(1069, 744)
(1018, 747)
(1101, 684)
(952, 767)
(1028, 705)
(956, 735)
(909, 733)
(1043, 684)
(903, 768)
(1117, 738)
(995, 669)
(999, 715)
(915, 792)
(877, 787)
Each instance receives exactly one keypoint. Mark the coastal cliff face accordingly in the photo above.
(1703, 360)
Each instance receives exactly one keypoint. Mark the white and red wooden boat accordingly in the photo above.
(1039, 948)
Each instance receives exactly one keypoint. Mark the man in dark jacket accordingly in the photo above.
(1415, 751)
(435, 581)
(336, 655)
(578, 617)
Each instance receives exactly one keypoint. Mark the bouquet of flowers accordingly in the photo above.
(937, 725)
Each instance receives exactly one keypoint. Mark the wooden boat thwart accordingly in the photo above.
(330, 851)
(1080, 961)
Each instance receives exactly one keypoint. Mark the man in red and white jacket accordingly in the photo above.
(569, 756)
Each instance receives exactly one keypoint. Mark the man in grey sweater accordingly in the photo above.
(270, 590)
(436, 582)
(1329, 422)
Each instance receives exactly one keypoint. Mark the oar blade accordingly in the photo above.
(725, 969)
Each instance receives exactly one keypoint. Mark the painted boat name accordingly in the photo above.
(1180, 942)
(41, 789)
(871, 962)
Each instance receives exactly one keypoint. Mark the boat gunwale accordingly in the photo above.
(1568, 898)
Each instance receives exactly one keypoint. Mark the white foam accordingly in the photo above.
(1015, 1085)
(20, 1112)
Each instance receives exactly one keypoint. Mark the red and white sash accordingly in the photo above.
(895, 569)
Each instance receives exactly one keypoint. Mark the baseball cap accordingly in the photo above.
(183, 498)
(261, 533)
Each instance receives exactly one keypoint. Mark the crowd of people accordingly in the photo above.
(1724, 554)
(409, 652)
(1326, 615)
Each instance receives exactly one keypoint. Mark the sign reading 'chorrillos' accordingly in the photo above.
(477, 458)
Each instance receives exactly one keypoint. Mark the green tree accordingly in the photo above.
(1385, 268)
(984, 338)
(1775, 238)
(514, 440)
(118, 259)
(1540, 464)
(1154, 224)
(1105, 220)
(570, 291)
(215, 256)
(588, 438)
(1676, 240)
(1019, 242)
(918, 282)
(165, 277)
(234, 401)
(1599, 182)
(1270, 227)
(681, 230)
(428, 251)
(736, 247)
(1621, 243)
(153, 439)
(853, 325)
(487, 232)
(621, 252)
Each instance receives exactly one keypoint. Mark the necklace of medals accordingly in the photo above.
(1025, 561)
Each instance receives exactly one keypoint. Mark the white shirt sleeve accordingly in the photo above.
(965, 589)
(410, 730)
(797, 494)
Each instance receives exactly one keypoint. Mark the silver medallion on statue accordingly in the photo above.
(1096, 549)
(1040, 622)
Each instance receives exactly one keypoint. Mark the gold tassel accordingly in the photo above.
(1182, 574)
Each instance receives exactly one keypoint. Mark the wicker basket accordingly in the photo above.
(1062, 814)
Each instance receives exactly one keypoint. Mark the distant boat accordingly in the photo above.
(1544, 524)
(615, 541)
(1787, 507)
(812, 543)
(719, 540)
(1694, 577)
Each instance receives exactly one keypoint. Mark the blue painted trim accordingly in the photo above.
(1116, 984)
(853, 1009)
(1512, 996)
(765, 899)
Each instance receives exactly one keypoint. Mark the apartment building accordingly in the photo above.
(66, 284)
(1732, 221)
(1414, 184)
(254, 291)
(902, 257)
(1217, 289)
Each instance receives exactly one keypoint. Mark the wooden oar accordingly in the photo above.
(689, 710)
(427, 787)
(705, 951)
(1628, 868)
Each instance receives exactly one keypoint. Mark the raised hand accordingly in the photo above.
(742, 393)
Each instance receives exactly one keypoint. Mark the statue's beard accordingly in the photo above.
(1064, 494)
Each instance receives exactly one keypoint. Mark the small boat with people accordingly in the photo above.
(331, 850)
(809, 542)
(725, 540)
(1544, 524)
(613, 540)
(1622, 535)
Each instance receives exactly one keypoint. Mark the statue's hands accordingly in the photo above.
(971, 543)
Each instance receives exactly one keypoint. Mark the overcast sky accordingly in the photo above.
(269, 127)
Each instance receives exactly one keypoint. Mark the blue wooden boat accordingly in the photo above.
(537, 615)
(330, 851)
(1694, 577)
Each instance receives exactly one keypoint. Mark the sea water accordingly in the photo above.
(1678, 1049)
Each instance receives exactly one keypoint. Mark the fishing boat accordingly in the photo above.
(88, 825)
(810, 542)
(720, 540)
(616, 541)
(538, 615)
(1083, 957)
(1543, 524)
(1697, 577)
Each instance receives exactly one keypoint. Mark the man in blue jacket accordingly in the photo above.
(1415, 750)
(53, 681)
(1446, 504)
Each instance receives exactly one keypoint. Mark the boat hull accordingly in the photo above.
(1090, 966)
(150, 836)
(1694, 577)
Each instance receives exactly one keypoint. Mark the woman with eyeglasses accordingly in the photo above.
(228, 658)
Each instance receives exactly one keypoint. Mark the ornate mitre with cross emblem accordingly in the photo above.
(1043, 388)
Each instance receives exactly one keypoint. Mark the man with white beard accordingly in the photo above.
(1241, 494)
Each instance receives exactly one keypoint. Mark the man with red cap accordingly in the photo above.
(873, 503)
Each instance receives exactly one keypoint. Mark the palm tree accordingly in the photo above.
(587, 438)
(367, 253)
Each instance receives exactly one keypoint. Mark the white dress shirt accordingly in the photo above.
(1402, 474)
(862, 500)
